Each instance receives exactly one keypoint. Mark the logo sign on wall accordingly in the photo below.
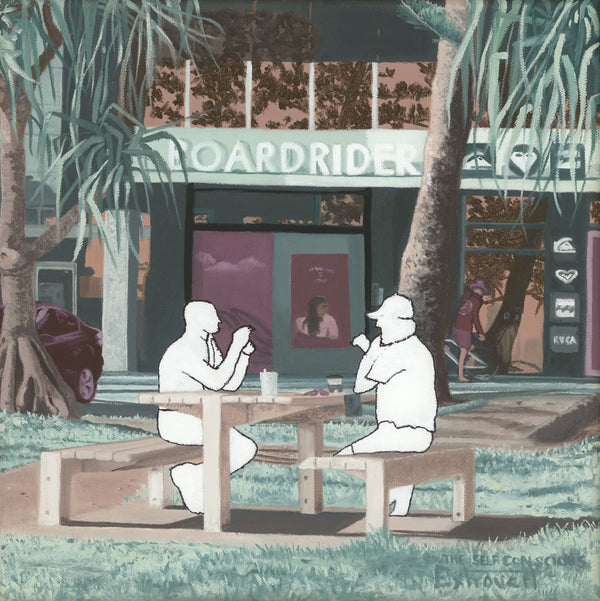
(564, 339)
(564, 246)
(566, 276)
(564, 307)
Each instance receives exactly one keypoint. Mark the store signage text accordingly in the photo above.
(316, 158)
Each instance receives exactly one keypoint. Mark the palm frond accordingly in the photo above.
(423, 14)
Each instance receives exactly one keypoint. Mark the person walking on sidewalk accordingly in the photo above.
(400, 369)
(195, 362)
(467, 317)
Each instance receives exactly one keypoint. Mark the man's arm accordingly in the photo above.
(240, 369)
(363, 383)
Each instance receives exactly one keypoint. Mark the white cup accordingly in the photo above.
(268, 383)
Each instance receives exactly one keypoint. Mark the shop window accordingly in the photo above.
(343, 95)
(506, 239)
(217, 95)
(595, 212)
(280, 95)
(512, 320)
(404, 95)
(504, 247)
(511, 209)
(342, 209)
(167, 96)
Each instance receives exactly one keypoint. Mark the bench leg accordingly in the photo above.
(464, 494)
(160, 487)
(310, 482)
(55, 487)
(377, 497)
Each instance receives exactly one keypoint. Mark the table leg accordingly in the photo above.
(216, 467)
(310, 482)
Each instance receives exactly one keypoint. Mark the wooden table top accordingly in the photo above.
(245, 406)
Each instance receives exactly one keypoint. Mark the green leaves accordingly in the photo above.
(99, 155)
(427, 15)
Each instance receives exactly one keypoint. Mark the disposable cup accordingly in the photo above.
(268, 383)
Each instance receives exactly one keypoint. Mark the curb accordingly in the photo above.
(567, 424)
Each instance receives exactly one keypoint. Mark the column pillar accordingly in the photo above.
(119, 307)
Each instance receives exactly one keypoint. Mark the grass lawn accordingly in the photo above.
(554, 564)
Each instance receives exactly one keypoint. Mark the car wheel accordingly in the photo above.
(86, 386)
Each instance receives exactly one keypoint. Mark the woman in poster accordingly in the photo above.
(317, 322)
(467, 316)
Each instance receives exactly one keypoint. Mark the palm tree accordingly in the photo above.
(526, 68)
(102, 152)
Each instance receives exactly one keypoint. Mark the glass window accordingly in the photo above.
(404, 95)
(513, 320)
(167, 96)
(509, 239)
(343, 95)
(342, 209)
(512, 209)
(280, 95)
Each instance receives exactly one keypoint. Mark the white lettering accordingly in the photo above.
(318, 152)
(352, 167)
(215, 148)
(298, 155)
(336, 159)
(173, 158)
(405, 155)
(240, 154)
(265, 151)
(381, 154)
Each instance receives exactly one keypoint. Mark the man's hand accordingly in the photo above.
(241, 337)
(481, 336)
(362, 342)
(248, 349)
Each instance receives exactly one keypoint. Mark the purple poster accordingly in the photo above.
(234, 271)
(320, 301)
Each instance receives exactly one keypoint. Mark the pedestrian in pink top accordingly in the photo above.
(467, 316)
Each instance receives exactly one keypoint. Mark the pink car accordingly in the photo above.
(75, 347)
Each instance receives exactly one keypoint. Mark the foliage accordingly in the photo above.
(424, 14)
(97, 45)
(536, 75)
(553, 564)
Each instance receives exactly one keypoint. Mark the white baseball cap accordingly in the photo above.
(394, 306)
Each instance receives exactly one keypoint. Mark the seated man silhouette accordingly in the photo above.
(400, 369)
(194, 362)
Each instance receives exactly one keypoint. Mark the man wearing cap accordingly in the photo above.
(400, 368)
(467, 316)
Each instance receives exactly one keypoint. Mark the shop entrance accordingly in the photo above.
(303, 293)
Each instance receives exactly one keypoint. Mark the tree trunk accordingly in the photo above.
(505, 327)
(29, 380)
(428, 262)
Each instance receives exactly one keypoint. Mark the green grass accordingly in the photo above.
(23, 437)
(554, 564)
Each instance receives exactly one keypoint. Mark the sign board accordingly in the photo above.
(564, 307)
(564, 339)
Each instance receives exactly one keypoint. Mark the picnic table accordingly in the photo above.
(220, 411)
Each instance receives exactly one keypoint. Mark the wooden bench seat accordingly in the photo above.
(57, 468)
(384, 471)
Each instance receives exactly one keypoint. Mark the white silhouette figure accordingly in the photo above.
(400, 368)
(194, 362)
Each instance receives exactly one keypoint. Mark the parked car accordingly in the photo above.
(75, 347)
